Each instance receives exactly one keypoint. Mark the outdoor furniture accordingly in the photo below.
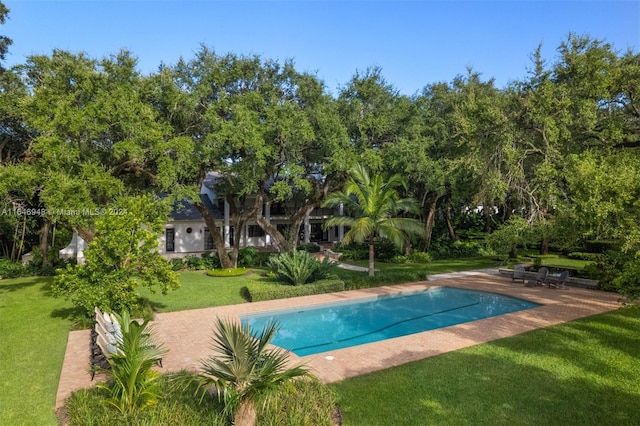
(558, 281)
(540, 279)
(105, 336)
(518, 273)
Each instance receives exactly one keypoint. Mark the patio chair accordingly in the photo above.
(540, 279)
(518, 273)
(558, 281)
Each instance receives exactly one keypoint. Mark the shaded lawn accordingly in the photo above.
(33, 335)
(584, 372)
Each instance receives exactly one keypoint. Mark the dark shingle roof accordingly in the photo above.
(185, 210)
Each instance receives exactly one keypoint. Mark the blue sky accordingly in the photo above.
(414, 42)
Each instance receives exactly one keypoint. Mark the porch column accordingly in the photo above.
(227, 228)
(307, 229)
(245, 232)
(267, 215)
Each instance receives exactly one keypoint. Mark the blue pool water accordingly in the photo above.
(321, 328)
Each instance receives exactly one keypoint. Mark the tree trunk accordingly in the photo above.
(44, 244)
(486, 212)
(371, 257)
(429, 209)
(452, 231)
(544, 245)
(216, 234)
(245, 415)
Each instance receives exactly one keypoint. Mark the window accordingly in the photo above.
(255, 231)
(208, 239)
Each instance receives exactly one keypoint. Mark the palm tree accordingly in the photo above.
(242, 369)
(373, 204)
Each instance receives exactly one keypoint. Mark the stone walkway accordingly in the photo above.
(187, 334)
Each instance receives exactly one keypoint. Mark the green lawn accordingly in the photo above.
(198, 290)
(33, 337)
(583, 372)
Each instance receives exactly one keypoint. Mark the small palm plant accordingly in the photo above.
(243, 369)
(134, 384)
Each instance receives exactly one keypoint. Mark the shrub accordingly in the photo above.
(628, 282)
(398, 258)
(309, 247)
(9, 269)
(419, 257)
(233, 272)
(247, 256)
(194, 262)
(298, 267)
(457, 249)
(383, 248)
(260, 291)
(593, 257)
(177, 406)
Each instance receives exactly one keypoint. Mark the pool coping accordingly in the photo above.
(187, 334)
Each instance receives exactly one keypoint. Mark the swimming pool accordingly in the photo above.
(338, 325)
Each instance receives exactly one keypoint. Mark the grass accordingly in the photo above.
(232, 272)
(197, 290)
(33, 329)
(582, 372)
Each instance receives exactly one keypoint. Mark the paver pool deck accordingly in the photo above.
(187, 334)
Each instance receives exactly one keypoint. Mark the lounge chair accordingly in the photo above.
(518, 273)
(540, 279)
(558, 281)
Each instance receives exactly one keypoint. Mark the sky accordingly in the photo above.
(415, 43)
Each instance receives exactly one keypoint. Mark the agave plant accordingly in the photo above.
(243, 368)
(133, 384)
(299, 268)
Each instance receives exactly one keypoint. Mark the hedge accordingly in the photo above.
(257, 292)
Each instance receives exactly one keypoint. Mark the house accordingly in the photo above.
(187, 233)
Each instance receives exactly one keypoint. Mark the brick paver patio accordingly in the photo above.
(187, 334)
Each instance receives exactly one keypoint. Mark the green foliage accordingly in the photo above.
(373, 203)
(247, 256)
(243, 368)
(9, 269)
(628, 282)
(300, 403)
(298, 267)
(419, 257)
(309, 248)
(514, 234)
(399, 258)
(123, 255)
(234, 272)
(133, 385)
(260, 291)
(457, 250)
(584, 256)
(176, 406)
(383, 248)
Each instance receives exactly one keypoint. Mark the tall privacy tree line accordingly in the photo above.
(556, 150)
